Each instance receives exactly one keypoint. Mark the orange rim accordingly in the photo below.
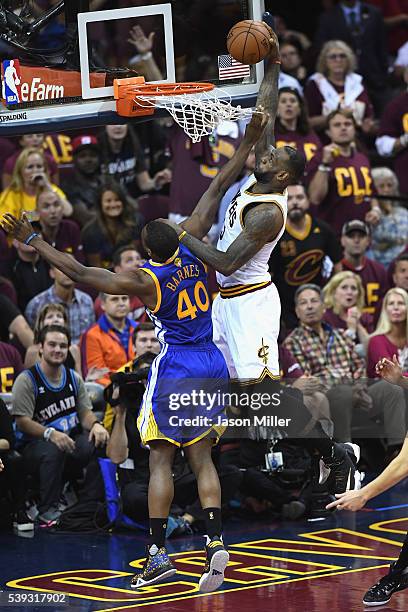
(162, 89)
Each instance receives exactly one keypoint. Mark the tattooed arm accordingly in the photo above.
(262, 225)
(268, 99)
(201, 219)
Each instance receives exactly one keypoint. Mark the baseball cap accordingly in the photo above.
(83, 141)
(355, 226)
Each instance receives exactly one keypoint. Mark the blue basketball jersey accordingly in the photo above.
(182, 314)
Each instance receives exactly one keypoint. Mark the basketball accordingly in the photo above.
(249, 41)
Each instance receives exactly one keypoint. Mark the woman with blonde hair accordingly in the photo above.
(335, 84)
(389, 236)
(29, 174)
(344, 301)
(391, 335)
(52, 314)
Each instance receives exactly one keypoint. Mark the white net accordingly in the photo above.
(198, 114)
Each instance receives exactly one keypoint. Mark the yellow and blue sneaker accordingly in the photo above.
(157, 567)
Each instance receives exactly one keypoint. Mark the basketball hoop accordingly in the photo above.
(196, 107)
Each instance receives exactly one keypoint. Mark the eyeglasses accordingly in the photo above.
(334, 56)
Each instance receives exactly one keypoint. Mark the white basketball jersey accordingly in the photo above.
(256, 269)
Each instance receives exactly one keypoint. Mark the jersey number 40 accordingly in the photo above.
(187, 308)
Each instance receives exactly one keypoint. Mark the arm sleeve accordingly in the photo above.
(23, 396)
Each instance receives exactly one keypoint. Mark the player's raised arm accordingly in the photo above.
(203, 215)
(268, 97)
(136, 283)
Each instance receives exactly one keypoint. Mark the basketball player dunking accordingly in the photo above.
(246, 313)
(172, 285)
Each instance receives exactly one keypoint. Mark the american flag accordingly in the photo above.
(229, 68)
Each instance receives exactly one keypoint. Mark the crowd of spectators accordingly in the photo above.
(341, 267)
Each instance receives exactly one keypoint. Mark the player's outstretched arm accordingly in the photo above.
(262, 225)
(203, 216)
(396, 471)
(103, 280)
(268, 98)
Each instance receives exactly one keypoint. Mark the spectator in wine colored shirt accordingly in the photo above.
(361, 26)
(393, 136)
(194, 165)
(355, 241)
(336, 85)
(391, 335)
(339, 177)
(344, 300)
(62, 234)
(292, 126)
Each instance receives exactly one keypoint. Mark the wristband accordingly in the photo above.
(48, 433)
(141, 57)
(324, 168)
(31, 237)
(182, 235)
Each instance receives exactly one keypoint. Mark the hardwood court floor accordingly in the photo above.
(310, 566)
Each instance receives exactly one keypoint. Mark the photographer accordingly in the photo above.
(125, 449)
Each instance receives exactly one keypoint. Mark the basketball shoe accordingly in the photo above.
(380, 593)
(339, 470)
(157, 567)
(216, 562)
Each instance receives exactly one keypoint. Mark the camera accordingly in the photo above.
(131, 382)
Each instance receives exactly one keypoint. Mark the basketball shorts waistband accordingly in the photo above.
(237, 290)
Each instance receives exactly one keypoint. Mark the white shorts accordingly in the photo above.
(246, 330)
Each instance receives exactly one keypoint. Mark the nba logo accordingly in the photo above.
(11, 81)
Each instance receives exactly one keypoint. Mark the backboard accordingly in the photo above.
(188, 44)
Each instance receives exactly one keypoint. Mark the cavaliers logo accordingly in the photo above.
(263, 352)
(177, 262)
(304, 268)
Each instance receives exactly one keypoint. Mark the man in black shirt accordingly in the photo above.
(306, 253)
(30, 273)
